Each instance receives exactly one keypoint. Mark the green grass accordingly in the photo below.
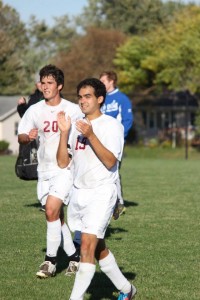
(156, 243)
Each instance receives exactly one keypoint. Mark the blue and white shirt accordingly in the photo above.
(118, 106)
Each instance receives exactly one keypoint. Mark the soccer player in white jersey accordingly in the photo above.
(96, 145)
(54, 183)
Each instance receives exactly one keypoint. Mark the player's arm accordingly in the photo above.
(63, 158)
(104, 155)
(24, 138)
(27, 131)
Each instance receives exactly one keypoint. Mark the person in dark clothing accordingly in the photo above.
(33, 99)
(22, 107)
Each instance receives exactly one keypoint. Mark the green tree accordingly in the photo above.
(129, 16)
(164, 58)
(14, 42)
(25, 49)
(178, 65)
(51, 40)
(90, 54)
(46, 42)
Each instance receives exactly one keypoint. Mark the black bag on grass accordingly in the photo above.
(26, 164)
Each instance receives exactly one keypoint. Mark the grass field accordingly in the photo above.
(156, 243)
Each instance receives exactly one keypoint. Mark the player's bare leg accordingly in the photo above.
(92, 247)
(55, 226)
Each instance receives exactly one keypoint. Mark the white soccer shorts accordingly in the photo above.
(90, 210)
(57, 185)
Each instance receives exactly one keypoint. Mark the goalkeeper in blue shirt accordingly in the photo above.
(119, 106)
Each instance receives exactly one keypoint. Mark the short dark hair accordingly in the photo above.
(55, 72)
(111, 76)
(98, 86)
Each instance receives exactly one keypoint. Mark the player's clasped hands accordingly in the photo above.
(84, 127)
(64, 124)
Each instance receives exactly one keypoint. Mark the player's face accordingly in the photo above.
(50, 88)
(108, 83)
(88, 102)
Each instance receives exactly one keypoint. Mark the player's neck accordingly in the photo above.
(94, 115)
(111, 89)
(54, 101)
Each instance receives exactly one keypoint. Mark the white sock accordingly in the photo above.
(68, 244)
(109, 266)
(119, 191)
(53, 237)
(82, 280)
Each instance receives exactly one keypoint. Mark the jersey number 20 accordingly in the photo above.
(51, 127)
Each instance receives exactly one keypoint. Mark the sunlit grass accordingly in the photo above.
(156, 243)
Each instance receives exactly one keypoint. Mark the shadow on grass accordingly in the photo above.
(126, 203)
(112, 231)
(130, 203)
(101, 287)
(63, 259)
(36, 205)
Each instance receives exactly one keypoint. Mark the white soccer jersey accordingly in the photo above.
(89, 172)
(44, 118)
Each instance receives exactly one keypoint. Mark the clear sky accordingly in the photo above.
(46, 9)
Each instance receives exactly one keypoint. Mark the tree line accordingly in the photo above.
(153, 45)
